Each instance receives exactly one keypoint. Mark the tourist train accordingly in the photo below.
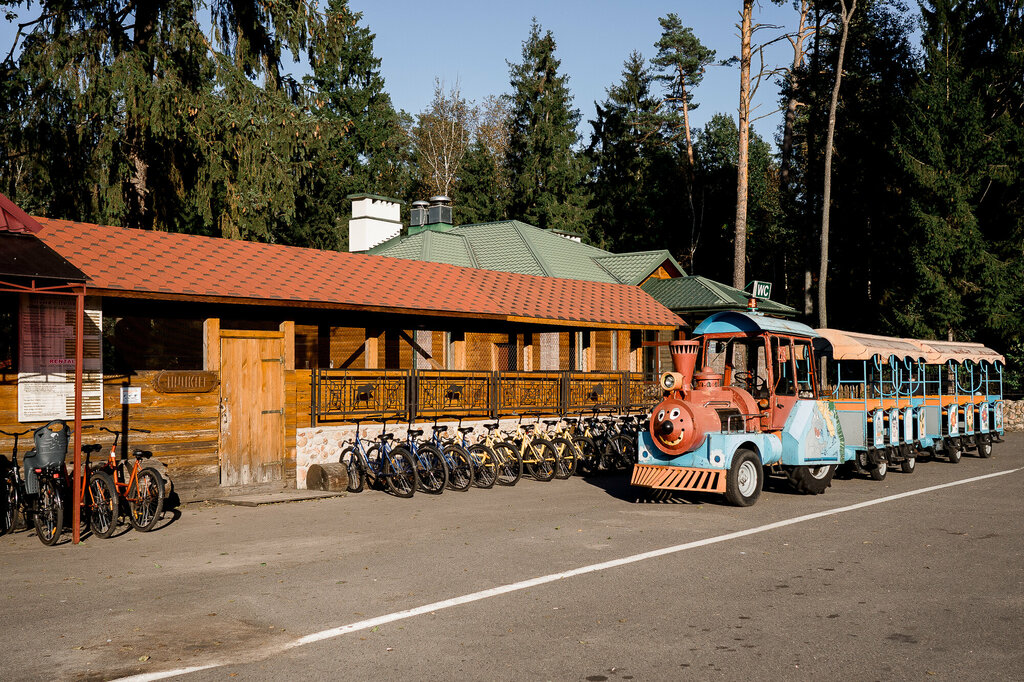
(753, 396)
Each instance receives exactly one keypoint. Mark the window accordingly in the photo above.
(804, 368)
(782, 366)
(133, 344)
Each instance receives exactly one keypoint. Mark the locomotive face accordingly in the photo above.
(670, 422)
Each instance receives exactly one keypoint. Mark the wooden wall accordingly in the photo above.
(184, 426)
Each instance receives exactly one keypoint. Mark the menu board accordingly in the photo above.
(46, 342)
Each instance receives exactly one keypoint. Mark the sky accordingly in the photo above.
(470, 42)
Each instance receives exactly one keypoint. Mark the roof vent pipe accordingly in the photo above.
(440, 211)
(418, 214)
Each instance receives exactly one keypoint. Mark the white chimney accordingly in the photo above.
(375, 219)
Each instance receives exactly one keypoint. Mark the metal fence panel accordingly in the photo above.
(453, 393)
(529, 393)
(341, 394)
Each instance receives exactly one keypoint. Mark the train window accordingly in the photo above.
(782, 364)
(804, 369)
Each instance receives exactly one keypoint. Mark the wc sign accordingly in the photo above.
(762, 290)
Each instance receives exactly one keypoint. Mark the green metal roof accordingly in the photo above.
(634, 268)
(691, 294)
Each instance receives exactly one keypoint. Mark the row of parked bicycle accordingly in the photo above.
(40, 493)
(545, 450)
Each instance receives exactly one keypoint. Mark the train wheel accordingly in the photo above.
(745, 478)
(810, 480)
(953, 451)
(908, 465)
(984, 447)
(878, 473)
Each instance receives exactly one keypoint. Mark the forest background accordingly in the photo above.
(140, 114)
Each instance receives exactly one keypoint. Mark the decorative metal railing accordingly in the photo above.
(346, 395)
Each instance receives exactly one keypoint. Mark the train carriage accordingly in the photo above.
(775, 397)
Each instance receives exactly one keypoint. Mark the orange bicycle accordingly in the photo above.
(140, 486)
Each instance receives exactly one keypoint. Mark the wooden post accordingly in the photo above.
(211, 344)
(372, 348)
(288, 329)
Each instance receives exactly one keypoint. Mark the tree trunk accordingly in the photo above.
(786, 151)
(139, 213)
(826, 197)
(739, 255)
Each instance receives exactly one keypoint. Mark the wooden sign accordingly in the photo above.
(172, 381)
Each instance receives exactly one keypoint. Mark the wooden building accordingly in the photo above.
(228, 341)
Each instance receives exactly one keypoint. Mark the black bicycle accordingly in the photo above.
(13, 497)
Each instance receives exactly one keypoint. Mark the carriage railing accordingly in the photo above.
(345, 395)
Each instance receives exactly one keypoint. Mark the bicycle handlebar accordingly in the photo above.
(118, 433)
(15, 435)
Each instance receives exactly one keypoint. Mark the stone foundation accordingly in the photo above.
(1013, 415)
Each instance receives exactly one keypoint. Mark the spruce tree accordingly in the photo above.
(545, 174)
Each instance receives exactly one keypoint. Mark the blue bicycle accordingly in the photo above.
(456, 458)
(430, 466)
(381, 464)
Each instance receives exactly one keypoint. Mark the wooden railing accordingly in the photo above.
(346, 395)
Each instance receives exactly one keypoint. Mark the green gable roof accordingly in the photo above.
(634, 268)
(694, 294)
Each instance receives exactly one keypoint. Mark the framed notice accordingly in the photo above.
(46, 342)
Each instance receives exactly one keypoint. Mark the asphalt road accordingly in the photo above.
(923, 586)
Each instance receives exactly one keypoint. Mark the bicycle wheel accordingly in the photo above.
(625, 451)
(510, 464)
(146, 499)
(9, 498)
(102, 504)
(371, 475)
(431, 469)
(400, 472)
(485, 465)
(544, 461)
(589, 459)
(49, 512)
(567, 457)
(460, 467)
(350, 458)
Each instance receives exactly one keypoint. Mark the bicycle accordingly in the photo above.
(538, 454)
(392, 464)
(485, 462)
(568, 454)
(140, 488)
(430, 465)
(508, 461)
(14, 496)
(51, 484)
(456, 458)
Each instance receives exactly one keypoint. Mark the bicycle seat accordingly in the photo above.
(415, 433)
(528, 427)
(491, 427)
(439, 428)
(550, 422)
(94, 447)
(629, 419)
(466, 429)
(387, 436)
(142, 454)
(592, 420)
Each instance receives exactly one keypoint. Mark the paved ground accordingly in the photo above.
(924, 586)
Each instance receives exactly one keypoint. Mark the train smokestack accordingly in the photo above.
(684, 359)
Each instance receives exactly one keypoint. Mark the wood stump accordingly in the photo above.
(330, 476)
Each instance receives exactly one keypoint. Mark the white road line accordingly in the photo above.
(533, 582)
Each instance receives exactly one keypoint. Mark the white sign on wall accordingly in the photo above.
(46, 370)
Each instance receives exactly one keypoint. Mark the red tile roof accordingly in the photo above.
(163, 264)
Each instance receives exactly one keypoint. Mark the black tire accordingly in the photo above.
(568, 457)
(460, 467)
(625, 452)
(49, 512)
(909, 465)
(370, 477)
(146, 499)
(12, 505)
(102, 504)
(430, 469)
(745, 479)
(350, 458)
(954, 452)
(984, 446)
(590, 459)
(544, 460)
(810, 480)
(510, 464)
(400, 472)
(877, 473)
(485, 465)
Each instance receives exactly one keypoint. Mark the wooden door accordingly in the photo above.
(251, 407)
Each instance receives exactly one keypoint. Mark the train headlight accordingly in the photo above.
(672, 381)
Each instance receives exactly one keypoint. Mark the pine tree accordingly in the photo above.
(545, 173)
